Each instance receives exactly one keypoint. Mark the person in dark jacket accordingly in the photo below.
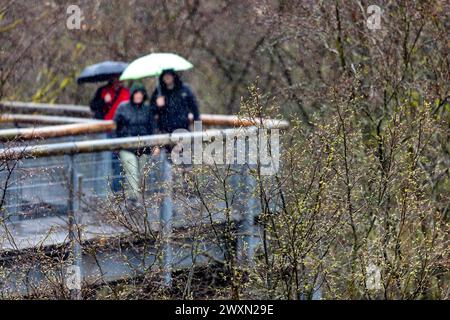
(172, 101)
(134, 118)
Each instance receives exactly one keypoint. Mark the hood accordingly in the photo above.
(135, 88)
(178, 82)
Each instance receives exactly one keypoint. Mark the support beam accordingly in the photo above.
(166, 217)
(74, 201)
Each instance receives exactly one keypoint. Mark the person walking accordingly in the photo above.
(134, 118)
(108, 98)
(104, 105)
(172, 101)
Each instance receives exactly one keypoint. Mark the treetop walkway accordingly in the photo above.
(56, 178)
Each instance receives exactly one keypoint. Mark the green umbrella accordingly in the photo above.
(153, 65)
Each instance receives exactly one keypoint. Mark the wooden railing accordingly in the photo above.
(71, 126)
(244, 186)
(37, 119)
(45, 108)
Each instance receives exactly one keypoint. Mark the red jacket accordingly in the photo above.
(117, 98)
(106, 111)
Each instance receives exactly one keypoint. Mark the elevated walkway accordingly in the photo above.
(56, 185)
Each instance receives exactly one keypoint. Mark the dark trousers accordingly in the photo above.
(117, 180)
(116, 167)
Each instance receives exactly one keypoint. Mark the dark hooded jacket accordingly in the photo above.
(179, 102)
(134, 120)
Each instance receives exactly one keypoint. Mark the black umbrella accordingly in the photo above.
(102, 71)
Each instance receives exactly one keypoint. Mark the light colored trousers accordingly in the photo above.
(134, 167)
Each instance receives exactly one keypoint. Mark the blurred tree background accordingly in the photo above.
(372, 104)
(297, 49)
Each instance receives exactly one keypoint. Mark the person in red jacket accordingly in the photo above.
(104, 106)
(108, 98)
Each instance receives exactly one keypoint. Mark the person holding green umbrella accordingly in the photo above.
(172, 100)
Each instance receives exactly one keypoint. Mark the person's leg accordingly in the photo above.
(130, 166)
(143, 172)
(117, 180)
(116, 169)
